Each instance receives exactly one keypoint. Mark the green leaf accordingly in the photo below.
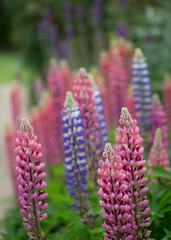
(160, 172)
(166, 209)
(165, 198)
(167, 232)
(153, 201)
(97, 230)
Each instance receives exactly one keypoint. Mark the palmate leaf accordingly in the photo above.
(160, 200)
(168, 234)
(165, 198)
(166, 209)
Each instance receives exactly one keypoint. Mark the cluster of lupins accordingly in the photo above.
(122, 184)
(84, 120)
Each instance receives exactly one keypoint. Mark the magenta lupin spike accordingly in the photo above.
(30, 178)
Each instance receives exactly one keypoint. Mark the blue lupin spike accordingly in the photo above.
(74, 154)
(142, 90)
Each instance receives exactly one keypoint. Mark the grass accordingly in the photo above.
(11, 64)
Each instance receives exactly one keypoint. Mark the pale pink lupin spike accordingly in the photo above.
(158, 153)
(158, 118)
(57, 94)
(10, 157)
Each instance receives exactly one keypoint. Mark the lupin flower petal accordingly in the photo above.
(75, 155)
(30, 174)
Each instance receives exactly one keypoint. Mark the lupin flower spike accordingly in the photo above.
(118, 83)
(30, 177)
(142, 90)
(158, 154)
(56, 89)
(115, 200)
(130, 150)
(167, 102)
(75, 156)
(83, 94)
(102, 129)
(159, 119)
(9, 136)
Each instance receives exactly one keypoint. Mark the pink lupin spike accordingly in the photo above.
(158, 153)
(83, 94)
(30, 178)
(10, 157)
(130, 149)
(57, 94)
(167, 101)
(158, 118)
(122, 184)
(115, 200)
